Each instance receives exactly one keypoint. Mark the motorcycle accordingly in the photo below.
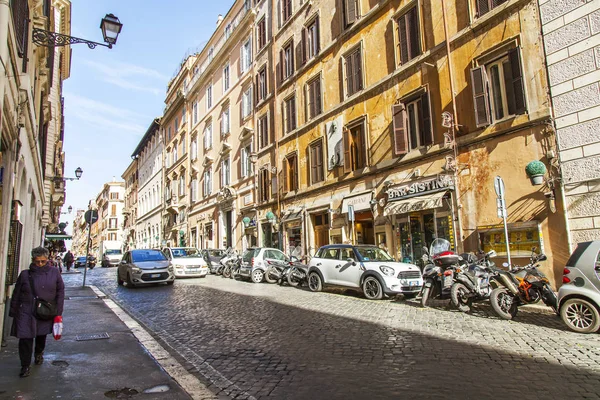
(223, 261)
(472, 281)
(522, 285)
(228, 263)
(275, 271)
(297, 274)
(440, 269)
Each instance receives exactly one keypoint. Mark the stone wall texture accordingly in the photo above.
(571, 30)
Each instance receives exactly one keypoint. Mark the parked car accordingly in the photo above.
(82, 260)
(186, 261)
(366, 267)
(144, 266)
(111, 258)
(212, 257)
(579, 296)
(256, 261)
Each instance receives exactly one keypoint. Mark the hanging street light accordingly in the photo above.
(110, 26)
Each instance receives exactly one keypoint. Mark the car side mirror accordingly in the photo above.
(123, 262)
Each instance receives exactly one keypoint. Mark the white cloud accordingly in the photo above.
(130, 76)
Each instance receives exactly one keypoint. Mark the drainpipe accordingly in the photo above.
(458, 225)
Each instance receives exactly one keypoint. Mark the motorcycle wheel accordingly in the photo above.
(503, 303)
(291, 280)
(227, 272)
(270, 276)
(426, 293)
(580, 316)
(459, 294)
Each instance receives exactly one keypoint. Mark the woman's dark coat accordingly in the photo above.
(48, 286)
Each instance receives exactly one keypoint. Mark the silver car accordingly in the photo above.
(144, 266)
(579, 296)
(256, 261)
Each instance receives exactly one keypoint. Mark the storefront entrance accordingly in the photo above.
(321, 229)
(364, 232)
(418, 230)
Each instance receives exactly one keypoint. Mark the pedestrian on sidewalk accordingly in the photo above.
(48, 285)
(69, 258)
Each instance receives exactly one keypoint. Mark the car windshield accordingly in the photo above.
(147, 255)
(113, 251)
(183, 252)
(369, 254)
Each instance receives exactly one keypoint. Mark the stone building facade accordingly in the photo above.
(110, 203)
(571, 31)
(130, 208)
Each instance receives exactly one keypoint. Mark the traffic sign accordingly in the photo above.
(91, 216)
(499, 187)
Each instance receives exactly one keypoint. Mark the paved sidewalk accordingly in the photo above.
(117, 367)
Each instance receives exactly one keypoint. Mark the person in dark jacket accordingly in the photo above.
(68, 259)
(49, 286)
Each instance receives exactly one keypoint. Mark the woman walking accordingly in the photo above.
(47, 285)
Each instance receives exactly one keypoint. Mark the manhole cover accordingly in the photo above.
(60, 363)
(124, 393)
(158, 389)
(92, 336)
(81, 297)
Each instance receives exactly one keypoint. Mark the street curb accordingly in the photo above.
(194, 387)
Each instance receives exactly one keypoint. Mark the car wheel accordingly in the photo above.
(129, 281)
(580, 316)
(315, 283)
(119, 280)
(503, 303)
(257, 276)
(459, 294)
(372, 288)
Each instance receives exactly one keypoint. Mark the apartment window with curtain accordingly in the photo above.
(264, 185)
(208, 97)
(182, 185)
(354, 138)
(194, 149)
(195, 112)
(287, 60)
(353, 71)
(310, 39)
(245, 164)
(313, 97)
(245, 56)
(247, 103)
(261, 84)
(408, 35)
(225, 172)
(261, 33)
(175, 153)
(193, 190)
(226, 78)
(290, 114)
(207, 183)
(411, 123)
(317, 172)
(208, 135)
(225, 122)
(263, 132)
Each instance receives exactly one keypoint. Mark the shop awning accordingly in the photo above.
(414, 204)
(291, 215)
(58, 236)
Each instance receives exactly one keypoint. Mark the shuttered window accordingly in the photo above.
(290, 173)
(316, 162)
(350, 11)
(354, 78)
(264, 183)
(484, 6)
(354, 148)
(498, 89)
(411, 124)
(314, 104)
(408, 35)
(20, 16)
(261, 83)
(263, 132)
(286, 10)
(310, 40)
(287, 60)
(261, 31)
(290, 114)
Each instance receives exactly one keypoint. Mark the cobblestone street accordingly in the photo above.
(257, 340)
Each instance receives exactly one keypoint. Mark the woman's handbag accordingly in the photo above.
(43, 310)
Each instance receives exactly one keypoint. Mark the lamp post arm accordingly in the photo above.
(42, 37)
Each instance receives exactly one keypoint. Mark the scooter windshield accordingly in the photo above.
(439, 246)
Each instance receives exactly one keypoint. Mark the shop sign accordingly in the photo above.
(293, 224)
(359, 203)
(425, 186)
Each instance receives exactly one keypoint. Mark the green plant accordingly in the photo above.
(535, 168)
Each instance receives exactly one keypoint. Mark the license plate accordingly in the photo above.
(448, 280)
(155, 276)
(192, 269)
(413, 283)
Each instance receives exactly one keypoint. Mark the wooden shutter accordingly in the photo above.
(413, 33)
(303, 47)
(319, 151)
(317, 43)
(481, 97)
(350, 9)
(260, 189)
(518, 88)
(358, 81)
(275, 183)
(293, 113)
(349, 76)
(399, 130)
(347, 153)
(318, 105)
(286, 172)
(295, 183)
(403, 38)
(427, 131)
(483, 6)
(313, 164)
(280, 69)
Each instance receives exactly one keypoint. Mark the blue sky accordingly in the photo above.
(113, 95)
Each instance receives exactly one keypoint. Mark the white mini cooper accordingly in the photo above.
(367, 267)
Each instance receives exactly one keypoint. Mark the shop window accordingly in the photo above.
(354, 148)
(317, 172)
(498, 89)
(484, 6)
(523, 237)
(350, 11)
(353, 71)
(408, 35)
(411, 124)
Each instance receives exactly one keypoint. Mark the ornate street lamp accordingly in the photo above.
(69, 210)
(78, 173)
(110, 25)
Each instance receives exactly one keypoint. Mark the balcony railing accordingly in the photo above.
(229, 29)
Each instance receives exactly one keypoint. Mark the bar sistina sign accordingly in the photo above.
(430, 185)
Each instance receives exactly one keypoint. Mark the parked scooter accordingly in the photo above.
(297, 274)
(229, 263)
(522, 285)
(223, 261)
(440, 269)
(275, 271)
(472, 281)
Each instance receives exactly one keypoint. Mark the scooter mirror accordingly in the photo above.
(505, 264)
(542, 257)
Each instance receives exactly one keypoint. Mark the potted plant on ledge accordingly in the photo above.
(536, 171)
